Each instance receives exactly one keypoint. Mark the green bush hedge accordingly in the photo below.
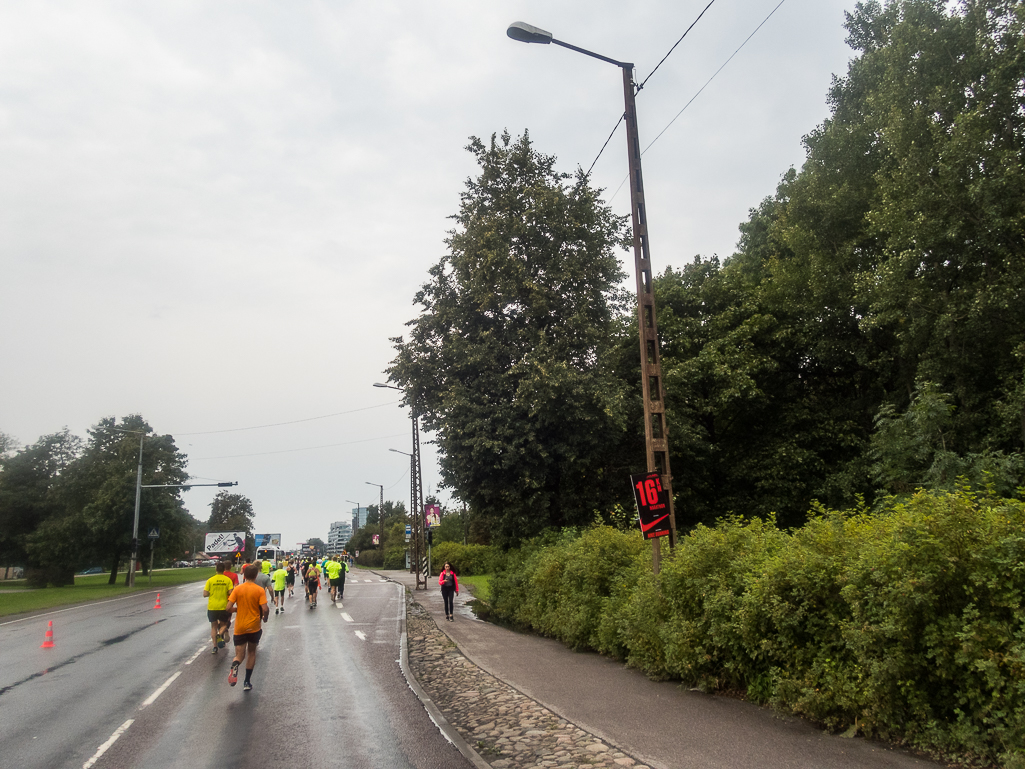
(907, 623)
(466, 559)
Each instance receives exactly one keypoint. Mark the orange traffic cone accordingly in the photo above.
(48, 638)
(157, 605)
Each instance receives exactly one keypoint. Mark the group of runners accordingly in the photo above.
(247, 600)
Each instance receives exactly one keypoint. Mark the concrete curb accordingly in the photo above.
(449, 731)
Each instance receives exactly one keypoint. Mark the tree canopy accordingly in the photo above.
(890, 268)
(509, 361)
(67, 503)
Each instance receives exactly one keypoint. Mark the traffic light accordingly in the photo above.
(430, 537)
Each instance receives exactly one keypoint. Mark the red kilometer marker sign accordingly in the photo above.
(652, 504)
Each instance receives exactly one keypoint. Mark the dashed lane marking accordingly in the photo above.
(193, 657)
(361, 635)
(106, 746)
(153, 697)
(346, 617)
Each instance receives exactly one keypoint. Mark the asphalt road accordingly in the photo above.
(127, 685)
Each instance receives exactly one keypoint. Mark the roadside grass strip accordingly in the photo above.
(94, 587)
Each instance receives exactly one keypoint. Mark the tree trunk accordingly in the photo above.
(113, 567)
(36, 576)
(59, 577)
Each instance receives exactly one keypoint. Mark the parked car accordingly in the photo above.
(93, 570)
(182, 564)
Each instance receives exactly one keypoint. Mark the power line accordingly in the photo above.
(292, 422)
(692, 98)
(606, 144)
(623, 116)
(695, 96)
(304, 448)
(674, 45)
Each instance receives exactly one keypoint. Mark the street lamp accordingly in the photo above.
(412, 506)
(656, 437)
(380, 518)
(130, 579)
(416, 495)
(138, 490)
(351, 502)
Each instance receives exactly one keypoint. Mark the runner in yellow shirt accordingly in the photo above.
(279, 577)
(335, 573)
(216, 592)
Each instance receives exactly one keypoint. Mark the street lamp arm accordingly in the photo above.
(527, 33)
(185, 485)
(592, 54)
(390, 387)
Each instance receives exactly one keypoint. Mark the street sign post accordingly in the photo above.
(154, 535)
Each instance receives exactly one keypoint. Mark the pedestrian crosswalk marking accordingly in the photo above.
(346, 617)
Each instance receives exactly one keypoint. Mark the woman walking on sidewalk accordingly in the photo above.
(449, 586)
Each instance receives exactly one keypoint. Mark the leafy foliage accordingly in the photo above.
(907, 623)
(509, 362)
(65, 504)
(894, 258)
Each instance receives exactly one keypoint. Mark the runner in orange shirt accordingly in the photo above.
(249, 603)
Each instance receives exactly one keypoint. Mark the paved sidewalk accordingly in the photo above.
(658, 723)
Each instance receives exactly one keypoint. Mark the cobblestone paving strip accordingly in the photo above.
(506, 727)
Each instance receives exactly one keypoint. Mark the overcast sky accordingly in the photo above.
(216, 214)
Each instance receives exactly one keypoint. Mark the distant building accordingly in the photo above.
(359, 518)
(338, 536)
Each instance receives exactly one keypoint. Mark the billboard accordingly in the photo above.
(225, 542)
(268, 540)
(432, 514)
(652, 504)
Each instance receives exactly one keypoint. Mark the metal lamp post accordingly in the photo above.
(357, 517)
(412, 508)
(130, 581)
(416, 494)
(380, 517)
(655, 433)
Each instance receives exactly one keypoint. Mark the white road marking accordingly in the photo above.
(361, 635)
(368, 580)
(153, 697)
(193, 657)
(105, 746)
(346, 617)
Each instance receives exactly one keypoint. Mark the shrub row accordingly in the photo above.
(466, 559)
(906, 623)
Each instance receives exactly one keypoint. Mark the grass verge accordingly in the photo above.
(94, 587)
(479, 586)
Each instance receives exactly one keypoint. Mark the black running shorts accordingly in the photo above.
(248, 638)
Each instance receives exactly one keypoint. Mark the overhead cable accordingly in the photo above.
(692, 98)
(623, 116)
(304, 448)
(695, 96)
(292, 422)
(674, 45)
